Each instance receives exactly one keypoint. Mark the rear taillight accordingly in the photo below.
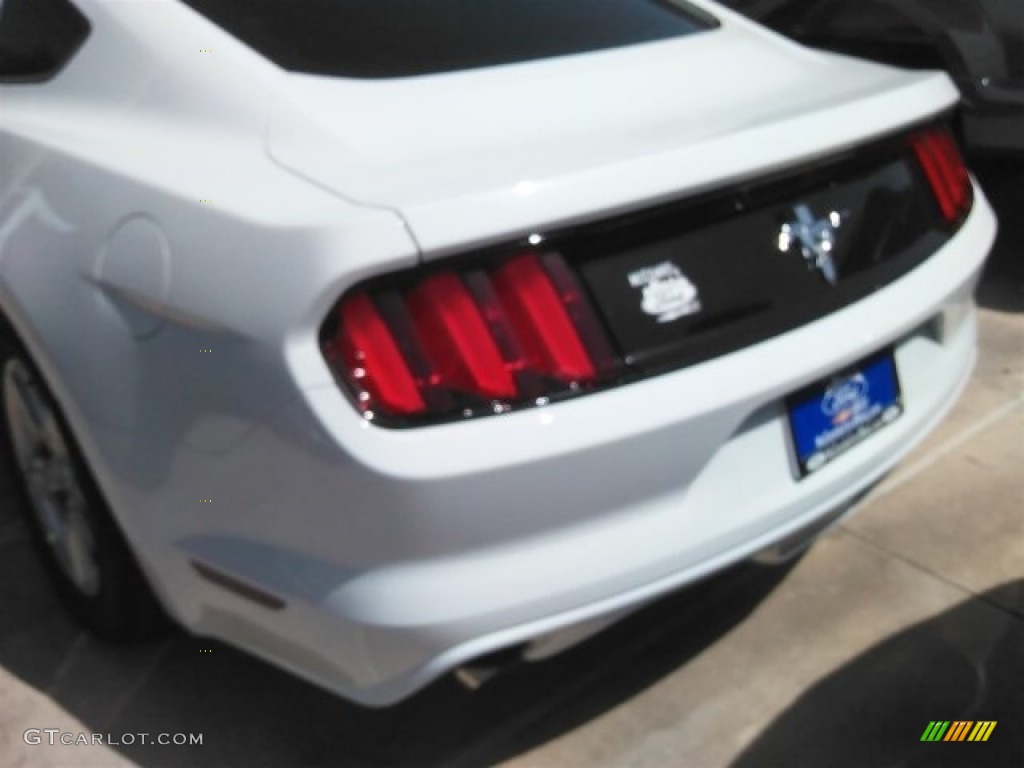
(942, 163)
(463, 342)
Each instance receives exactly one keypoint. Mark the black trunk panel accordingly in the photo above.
(727, 248)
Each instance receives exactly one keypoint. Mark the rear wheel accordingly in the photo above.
(88, 559)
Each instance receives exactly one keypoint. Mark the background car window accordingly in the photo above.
(37, 37)
(400, 38)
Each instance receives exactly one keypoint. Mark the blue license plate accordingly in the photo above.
(832, 416)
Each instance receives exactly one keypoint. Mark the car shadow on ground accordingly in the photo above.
(254, 715)
(964, 664)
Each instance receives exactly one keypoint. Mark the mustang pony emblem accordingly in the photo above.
(817, 239)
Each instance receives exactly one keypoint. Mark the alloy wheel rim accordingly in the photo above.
(44, 462)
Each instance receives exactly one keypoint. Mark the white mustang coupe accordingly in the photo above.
(387, 338)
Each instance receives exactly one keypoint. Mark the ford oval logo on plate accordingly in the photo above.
(830, 417)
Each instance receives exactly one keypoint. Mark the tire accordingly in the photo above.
(87, 558)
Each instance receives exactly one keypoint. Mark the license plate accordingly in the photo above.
(830, 417)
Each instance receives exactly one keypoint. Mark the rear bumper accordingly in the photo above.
(398, 555)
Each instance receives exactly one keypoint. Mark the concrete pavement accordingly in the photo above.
(912, 611)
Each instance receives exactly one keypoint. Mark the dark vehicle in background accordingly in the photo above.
(979, 42)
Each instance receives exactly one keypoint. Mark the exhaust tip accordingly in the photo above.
(474, 677)
(481, 669)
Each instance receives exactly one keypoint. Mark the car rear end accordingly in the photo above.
(650, 311)
(626, 456)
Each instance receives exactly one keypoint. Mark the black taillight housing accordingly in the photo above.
(431, 345)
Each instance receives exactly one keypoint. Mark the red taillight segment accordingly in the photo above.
(581, 314)
(943, 165)
(455, 336)
(373, 360)
(455, 342)
(539, 316)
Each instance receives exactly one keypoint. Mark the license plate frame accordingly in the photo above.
(832, 415)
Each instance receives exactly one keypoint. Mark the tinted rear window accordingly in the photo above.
(400, 38)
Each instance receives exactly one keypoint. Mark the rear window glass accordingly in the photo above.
(401, 38)
(37, 38)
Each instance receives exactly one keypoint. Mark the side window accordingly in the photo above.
(37, 38)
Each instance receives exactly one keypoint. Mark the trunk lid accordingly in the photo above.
(474, 157)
